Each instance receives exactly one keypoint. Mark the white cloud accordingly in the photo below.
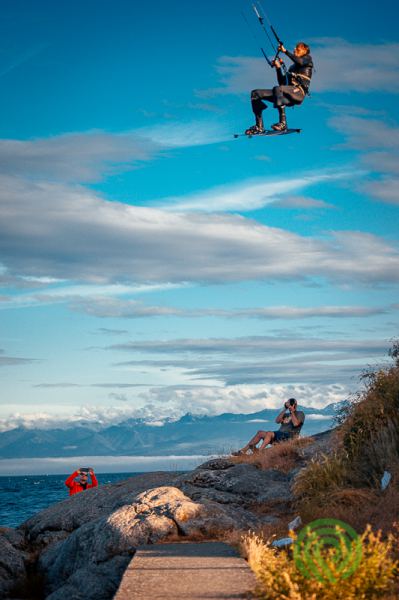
(385, 189)
(160, 404)
(256, 359)
(180, 135)
(296, 312)
(346, 66)
(213, 400)
(74, 157)
(316, 417)
(249, 195)
(115, 307)
(63, 232)
(127, 309)
(91, 416)
(11, 361)
(92, 155)
(366, 134)
(301, 202)
(340, 66)
(378, 142)
(383, 162)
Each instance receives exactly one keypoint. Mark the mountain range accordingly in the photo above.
(190, 435)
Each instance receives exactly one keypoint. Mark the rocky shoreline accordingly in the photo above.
(79, 548)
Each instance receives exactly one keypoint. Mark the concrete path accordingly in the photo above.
(189, 571)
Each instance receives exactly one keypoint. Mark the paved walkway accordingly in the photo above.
(189, 571)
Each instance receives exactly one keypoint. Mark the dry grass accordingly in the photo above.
(279, 578)
(283, 456)
(320, 478)
(346, 484)
(358, 507)
(343, 485)
(370, 434)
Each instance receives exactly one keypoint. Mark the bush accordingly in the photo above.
(279, 578)
(366, 444)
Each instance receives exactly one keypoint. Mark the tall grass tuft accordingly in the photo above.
(366, 445)
(279, 578)
(283, 456)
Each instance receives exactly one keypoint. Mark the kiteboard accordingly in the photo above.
(267, 133)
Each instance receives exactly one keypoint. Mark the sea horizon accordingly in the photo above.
(10, 467)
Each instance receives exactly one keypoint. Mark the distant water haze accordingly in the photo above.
(136, 446)
(100, 464)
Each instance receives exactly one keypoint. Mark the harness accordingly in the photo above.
(296, 79)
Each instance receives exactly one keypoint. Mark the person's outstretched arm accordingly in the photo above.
(69, 481)
(299, 60)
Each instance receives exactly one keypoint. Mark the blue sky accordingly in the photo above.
(151, 264)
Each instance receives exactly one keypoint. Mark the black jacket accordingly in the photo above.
(300, 73)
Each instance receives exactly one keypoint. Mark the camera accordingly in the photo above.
(290, 402)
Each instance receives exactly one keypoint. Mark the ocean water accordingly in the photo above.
(23, 495)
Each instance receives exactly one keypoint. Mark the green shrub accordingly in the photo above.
(366, 444)
(278, 577)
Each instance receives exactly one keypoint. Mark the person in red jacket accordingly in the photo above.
(82, 483)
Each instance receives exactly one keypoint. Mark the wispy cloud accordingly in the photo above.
(108, 331)
(119, 308)
(171, 402)
(60, 232)
(88, 298)
(251, 345)
(252, 194)
(257, 359)
(22, 58)
(182, 135)
(302, 202)
(366, 134)
(66, 384)
(296, 312)
(385, 189)
(368, 68)
(75, 157)
(131, 309)
(11, 361)
(91, 156)
(378, 143)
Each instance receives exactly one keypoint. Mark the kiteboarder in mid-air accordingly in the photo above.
(293, 86)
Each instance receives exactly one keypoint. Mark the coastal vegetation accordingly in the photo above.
(344, 484)
(279, 578)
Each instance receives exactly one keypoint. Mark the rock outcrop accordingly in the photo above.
(99, 549)
(236, 485)
(84, 543)
(12, 559)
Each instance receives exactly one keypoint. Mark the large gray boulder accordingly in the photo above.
(12, 560)
(241, 485)
(98, 550)
(59, 520)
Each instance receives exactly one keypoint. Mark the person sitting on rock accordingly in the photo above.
(82, 483)
(290, 420)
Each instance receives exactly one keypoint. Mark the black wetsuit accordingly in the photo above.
(291, 90)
